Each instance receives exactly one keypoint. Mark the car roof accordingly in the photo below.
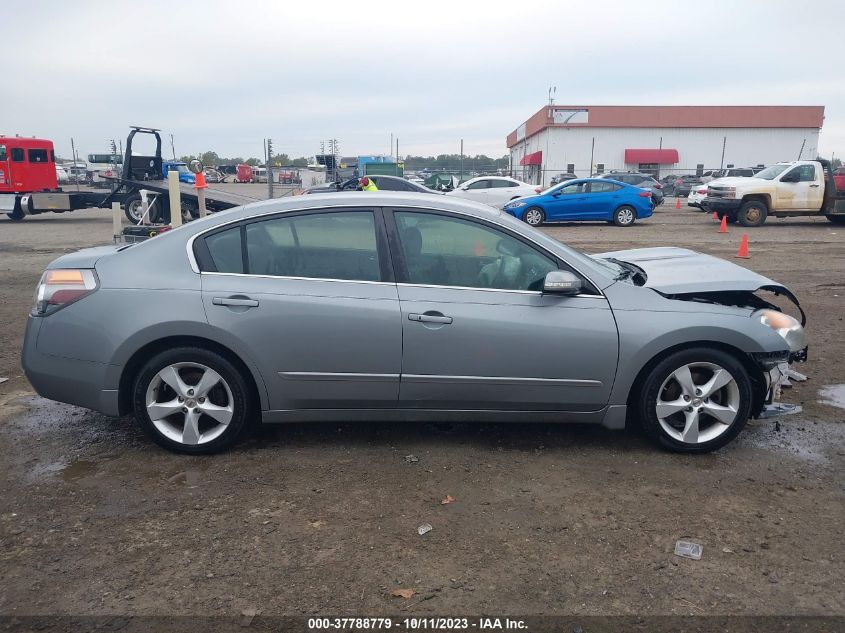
(356, 199)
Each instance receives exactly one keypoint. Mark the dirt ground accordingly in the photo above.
(316, 519)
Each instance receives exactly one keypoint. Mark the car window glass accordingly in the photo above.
(17, 154)
(388, 184)
(513, 183)
(807, 173)
(318, 245)
(37, 156)
(576, 187)
(225, 250)
(501, 184)
(481, 184)
(446, 251)
(2, 152)
(604, 187)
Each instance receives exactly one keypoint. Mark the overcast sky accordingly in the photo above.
(225, 75)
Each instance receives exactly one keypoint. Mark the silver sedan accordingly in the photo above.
(391, 306)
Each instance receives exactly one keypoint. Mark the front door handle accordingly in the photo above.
(235, 301)
(430, 317)
(815, 185)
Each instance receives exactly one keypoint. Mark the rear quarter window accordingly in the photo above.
(38, 156)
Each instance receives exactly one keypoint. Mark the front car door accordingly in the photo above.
(568, 202)
(796, 188)
(478, 333)
(478, 191)
(310, 297)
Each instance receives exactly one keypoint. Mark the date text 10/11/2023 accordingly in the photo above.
(417, 624)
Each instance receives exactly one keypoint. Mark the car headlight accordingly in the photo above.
(788, 327)
(514, 205)
(729, 192)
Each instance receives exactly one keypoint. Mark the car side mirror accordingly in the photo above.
(562, 282)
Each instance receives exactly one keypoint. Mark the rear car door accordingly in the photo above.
(602, 199)
(310, 297)
(478, 333)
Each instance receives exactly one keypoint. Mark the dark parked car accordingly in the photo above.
(637, 179)
(684, 184)
(562, 178)
(384, 183)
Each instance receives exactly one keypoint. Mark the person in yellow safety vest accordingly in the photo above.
(367, 184)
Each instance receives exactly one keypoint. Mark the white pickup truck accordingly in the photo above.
(798, 188)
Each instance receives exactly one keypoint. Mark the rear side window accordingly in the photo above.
(38, 156)
(225, 250)
(481, 184)
(17, 155)
(604, 187)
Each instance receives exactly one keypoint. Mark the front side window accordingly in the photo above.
(481, 184)
(807, 173)
(2, 152)
(573, 188)
(447, 251)
(38, 156)
(316, 246)
(17, 154)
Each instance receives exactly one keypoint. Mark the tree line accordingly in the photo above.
(212, 159)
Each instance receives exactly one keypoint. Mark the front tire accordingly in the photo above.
(534, 216)
(624, 216)
(192, 400)
(695, 400)
(753, 213)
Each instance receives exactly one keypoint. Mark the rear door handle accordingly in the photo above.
(430, 318)
(235, 301)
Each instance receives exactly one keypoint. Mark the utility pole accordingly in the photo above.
(268, 147)
(391, 144)
(802, 148)
(592, 153)
(724, 142)
(462, 161)
(75, 167)
(172, 147)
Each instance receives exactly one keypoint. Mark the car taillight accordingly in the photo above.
(62, 287)
(703, 192)
(645, 194)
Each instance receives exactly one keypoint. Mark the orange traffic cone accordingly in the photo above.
(715, 215)
(724, 226)
(677, 203)
(743, 248)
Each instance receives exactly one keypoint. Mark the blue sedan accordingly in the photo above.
(584, 199)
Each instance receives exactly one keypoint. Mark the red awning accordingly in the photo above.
(659, 156)
(532, 159)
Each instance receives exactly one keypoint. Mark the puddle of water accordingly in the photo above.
(813, 441)
(79, 469)
(833, 395)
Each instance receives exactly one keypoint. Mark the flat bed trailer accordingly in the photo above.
(139, 173)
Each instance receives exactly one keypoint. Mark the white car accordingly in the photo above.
(697, 194)
(61, 174)
(496, 191)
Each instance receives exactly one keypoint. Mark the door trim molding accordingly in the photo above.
(500, 380)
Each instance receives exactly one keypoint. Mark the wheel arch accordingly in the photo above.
(759, 197)
(755, 373)
(146, 351)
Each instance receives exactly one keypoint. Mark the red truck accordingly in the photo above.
(839, 178)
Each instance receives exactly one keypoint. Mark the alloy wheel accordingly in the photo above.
(698, 402)
(533, 217)
(189, 403)
(625, 216)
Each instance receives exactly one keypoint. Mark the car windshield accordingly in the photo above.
(182, 169)
(770, 173)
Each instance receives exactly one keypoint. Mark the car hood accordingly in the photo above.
(679, 271)
(741, 181)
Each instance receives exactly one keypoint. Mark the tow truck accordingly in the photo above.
(797, 188)
(28, 184)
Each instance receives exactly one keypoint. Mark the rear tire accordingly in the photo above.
(132, 209)
(752, 213)
(679, 418)
(534, 216)
(624, 216)
(17, 215)
(206, 411)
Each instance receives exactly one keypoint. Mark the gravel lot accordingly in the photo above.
(306, 519)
